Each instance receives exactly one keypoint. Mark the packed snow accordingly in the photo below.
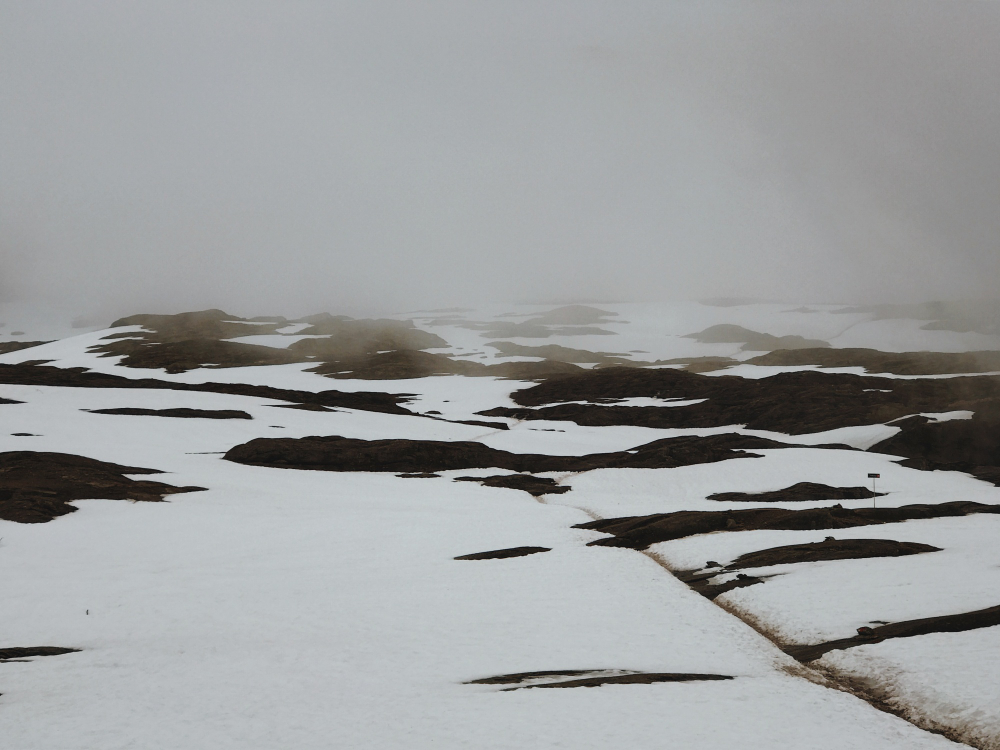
(284, 608)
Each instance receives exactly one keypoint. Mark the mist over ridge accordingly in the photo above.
(377, 158)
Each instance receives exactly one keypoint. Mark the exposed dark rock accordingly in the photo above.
(797, 493)
(830, 549)
(78, 377)
(336, 453)
(186, 341)
(190, 340)
(969, 445)
(400, 365)
(36, 487)
(320, 318)
(180, 413)
(703, 585)
(901, 363)
(559, 353)
(638, 532)
(181, 356)
(982, 618)
(419, 475)
(752, 340)
(701, 364)
(304, 407)
(353, 338)
(14, 346)
(531, 370)
(394, 365)
(511, 679)
(9, 401)
(536, 486)
(572, 320)
(203, 324)
(638, 678)
(500, 554)
(6, 654)
(480, 423)
(792, 402)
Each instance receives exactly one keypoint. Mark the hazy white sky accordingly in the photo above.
(286, 156)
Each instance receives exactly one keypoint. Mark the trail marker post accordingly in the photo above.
(873, 477)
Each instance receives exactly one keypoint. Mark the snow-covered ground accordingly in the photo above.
(298, 609)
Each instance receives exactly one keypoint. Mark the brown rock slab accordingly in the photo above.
(638, 532)
(500, 554)
(797, 493)
(180, 413)
(335, 453)
(36, 487)
(535, 486)
(792, 402)
(830, 549)
(982, 618)
(20, 652)
(78, 377)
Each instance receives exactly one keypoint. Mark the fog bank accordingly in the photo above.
(299, 156)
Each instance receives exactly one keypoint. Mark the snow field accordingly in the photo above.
(285, 608)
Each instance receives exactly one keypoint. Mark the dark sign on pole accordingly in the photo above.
(873, 477)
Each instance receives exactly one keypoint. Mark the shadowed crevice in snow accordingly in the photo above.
(79, 377)
(501, 554)
(22, 652)
(801, 492)
(535, 486)
(982, 618)
(335, 453)
(638, 532)
(180, 413)
(37, 487)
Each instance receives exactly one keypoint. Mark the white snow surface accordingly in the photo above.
(283, 608)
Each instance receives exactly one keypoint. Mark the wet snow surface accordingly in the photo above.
(284, 608)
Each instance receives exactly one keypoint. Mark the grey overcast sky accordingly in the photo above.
(283, 156)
